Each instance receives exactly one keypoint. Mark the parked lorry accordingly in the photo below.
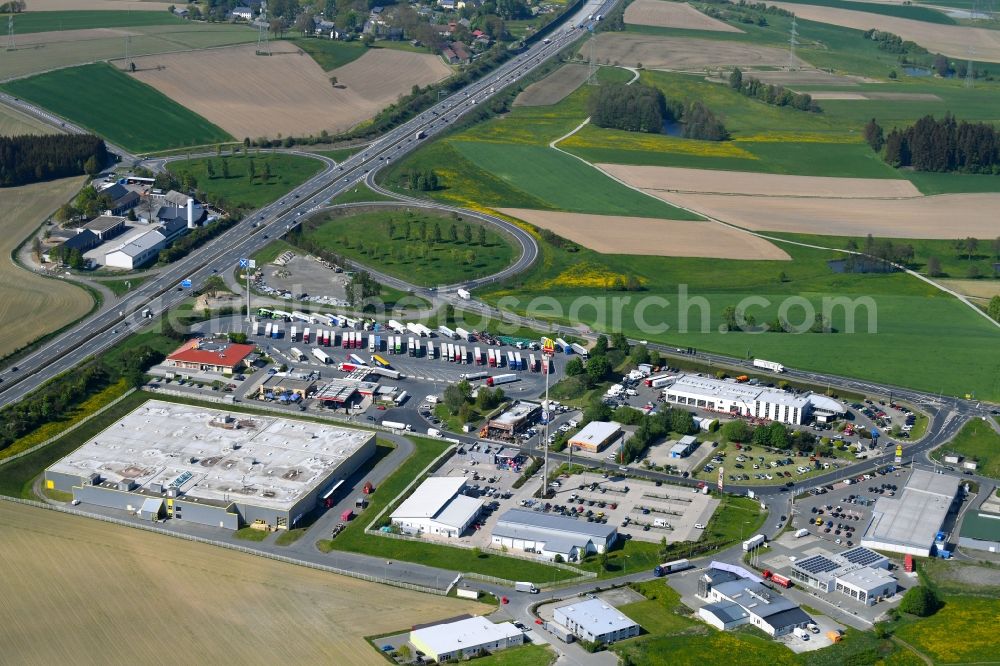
(477, 354)
(563, 346)
(463, 334)
(305, 335)
(472, 376)
(357, 359)
(296, 354)
(497, 380)
(464, 294)
(657, 381)
(395, 326)
(525, 586)
(294, 334)
(492, 356)
(321, 355)
(396, 425)
(754, 542)
(579, 349)
(768, 365)
(446, 332)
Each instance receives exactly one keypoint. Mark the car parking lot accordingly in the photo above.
(839, 513)
(640, 509)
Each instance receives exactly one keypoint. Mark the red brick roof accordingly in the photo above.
(229, 356)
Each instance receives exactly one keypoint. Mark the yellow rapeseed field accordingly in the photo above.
(800, 137)
(585, 275)
(964, 631)
(620, 140)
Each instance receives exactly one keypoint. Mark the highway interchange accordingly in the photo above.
(115, 321)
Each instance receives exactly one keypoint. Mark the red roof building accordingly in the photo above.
(221, 357)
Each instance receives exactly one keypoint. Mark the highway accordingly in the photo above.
(108, 327)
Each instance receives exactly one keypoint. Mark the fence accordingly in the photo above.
(230, 546)
(69, 429)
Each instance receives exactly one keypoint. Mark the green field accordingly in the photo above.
(783, 140)
(529, 655)
(30, 21)
(238, 190)
(353, 539)
(328, 53)
(507, 162)
(907, 318)
(117, 107)
(365, 238)
(976, 441)
(954, 262)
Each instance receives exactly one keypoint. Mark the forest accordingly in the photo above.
(30, 159)
(939, 145)
(641, 108)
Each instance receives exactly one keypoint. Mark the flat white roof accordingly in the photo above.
(215, 455)
(463, 634)
(914, 517)
(708, 387)
(596, 616)
(430, 497)
(140, 244)
(459, 511)
(596, 433)
(868, 579)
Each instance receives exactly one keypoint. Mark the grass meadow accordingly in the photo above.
(682, 301)
(140, 119)
(977, 440)
(29, 22)
(240, 190)
(366, 237)
(328, 53)
(507, 162)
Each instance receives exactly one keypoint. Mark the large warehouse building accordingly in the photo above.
(758, 402)
(437, 506)
(207, 466)
(909, 522)
(551, 535)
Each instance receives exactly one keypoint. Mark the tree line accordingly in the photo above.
(58, 398)
(642, 108)
(30, 159)
(938, 145)
(770, 93)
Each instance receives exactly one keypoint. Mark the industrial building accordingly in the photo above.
(137, 251)
(859, 573)
(596, 435)
(464, 638)
(437, 506)
(736, 600)
(276, 385)
(516, 419)
(757, 402)
(210, 467)
(595, 621)
(106, 226)
(909, 522)
(550, 535)
(207, 356)
(684, 446)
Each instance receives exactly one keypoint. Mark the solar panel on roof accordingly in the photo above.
(816, 564)
(862, 556)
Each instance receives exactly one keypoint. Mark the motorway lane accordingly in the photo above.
(96, 333)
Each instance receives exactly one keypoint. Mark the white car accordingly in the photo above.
(699, 526)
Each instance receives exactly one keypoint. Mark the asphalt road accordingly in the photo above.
(110, 326)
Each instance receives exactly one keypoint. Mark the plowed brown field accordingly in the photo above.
(613, 234)
(287, 93)
(684, 53)
(665, 14)
(79, 590)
